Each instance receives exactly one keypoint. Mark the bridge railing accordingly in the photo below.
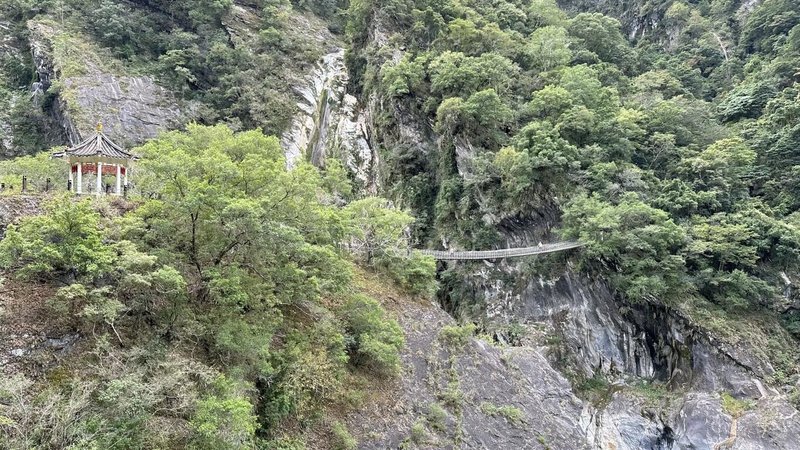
(502, 253)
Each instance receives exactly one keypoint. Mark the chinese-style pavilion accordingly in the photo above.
(100, 156)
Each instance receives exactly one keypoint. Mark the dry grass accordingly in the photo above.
(26, 324)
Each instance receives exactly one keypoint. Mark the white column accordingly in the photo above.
(69, 178)
(127, 169)
(119, 179)
(99, 178)
(79, 186)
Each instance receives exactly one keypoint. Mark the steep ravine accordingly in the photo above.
(668, 382)
(330, 123)
(576, 326)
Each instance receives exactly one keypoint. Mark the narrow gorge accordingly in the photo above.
(659, 135)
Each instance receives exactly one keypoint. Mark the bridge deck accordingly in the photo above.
(503, 253)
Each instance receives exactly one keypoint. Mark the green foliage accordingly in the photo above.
(111, 404)
(379, 238)
(548, 48)
(675, 162)
(376, 338)
(455, 74)
(419, 435)
(65, 243)
(452, 396)
(601, 36)
(735, 407)
(378, 228)
(286, 443)
(342, 439)
(511, 413)
(38, 169)
(224, 421)
(457, 336)
(640, 243)
(437, 417)
(227, 255)
(746, 100)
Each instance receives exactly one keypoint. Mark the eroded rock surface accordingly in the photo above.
(331, 123)
(132, 109)
(469, 383)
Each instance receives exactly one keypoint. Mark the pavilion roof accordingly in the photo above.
(98, 145)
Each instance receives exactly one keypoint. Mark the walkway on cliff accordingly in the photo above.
(503, 253)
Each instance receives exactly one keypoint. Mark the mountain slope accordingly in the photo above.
(665, 142)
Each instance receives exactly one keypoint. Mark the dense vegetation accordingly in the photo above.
(221, 303)
(672, 158)
(232, 64)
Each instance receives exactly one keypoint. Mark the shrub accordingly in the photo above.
(452, 397)
(224, 420)
(437, 417)
(416, 273)
(64, 243)
(514, 415)
(376, 338)
(418, 433)
(378, 237)
(342, 439)
(456, 336)
(734, 406)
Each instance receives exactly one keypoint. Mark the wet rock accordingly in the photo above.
(331, 123)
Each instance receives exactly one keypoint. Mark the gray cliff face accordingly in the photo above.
(582, 327)
(331, 123)
(132, 109)
(467, 382)
(470, 381)
(599, 340)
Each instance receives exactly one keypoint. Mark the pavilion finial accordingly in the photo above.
(99, 127)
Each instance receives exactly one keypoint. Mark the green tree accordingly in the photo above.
(377, 339)
(601, 35)
(66, 243)
(548, 48)
(640, 246)
(224, 420)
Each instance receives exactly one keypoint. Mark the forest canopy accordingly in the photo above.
(200, 291)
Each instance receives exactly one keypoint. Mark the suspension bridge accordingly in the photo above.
(502, 253)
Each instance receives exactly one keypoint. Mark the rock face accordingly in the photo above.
(586, 330)
(492, 396)
(131, 108)
(489, 398)
(331, 123)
